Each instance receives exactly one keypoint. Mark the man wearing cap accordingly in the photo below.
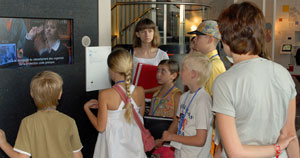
(206, 41)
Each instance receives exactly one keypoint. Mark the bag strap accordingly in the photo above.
(126, 100)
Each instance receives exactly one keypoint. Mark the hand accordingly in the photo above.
(2, 137)
(167, 136)
(158, 143)
(91, 104)
(31, 34)
(284, 141)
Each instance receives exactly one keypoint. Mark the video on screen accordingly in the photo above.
(28, 42)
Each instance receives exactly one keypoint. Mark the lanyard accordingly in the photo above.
(186, 110)
(153, 111)
(213, 56)
(120, 81)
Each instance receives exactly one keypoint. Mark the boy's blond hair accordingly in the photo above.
(199, 63)
(46, 88)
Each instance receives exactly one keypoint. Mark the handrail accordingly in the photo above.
(133, 22)
(136, 19)
(148, 10)
(162, 3)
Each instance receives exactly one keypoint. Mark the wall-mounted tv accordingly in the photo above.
(27, 42)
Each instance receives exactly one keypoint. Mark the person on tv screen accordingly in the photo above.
(43, 44)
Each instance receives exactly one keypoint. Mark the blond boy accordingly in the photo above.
(47, 133)
(191, 131)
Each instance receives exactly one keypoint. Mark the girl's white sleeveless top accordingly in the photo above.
(120, 139)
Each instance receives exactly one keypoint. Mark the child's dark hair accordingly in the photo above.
(243, 28)
(173, 66)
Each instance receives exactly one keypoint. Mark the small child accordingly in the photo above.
(165, 100)
(46, 133)
(119, 135)
(194, 115)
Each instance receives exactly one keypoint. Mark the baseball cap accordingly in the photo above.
(209, 27)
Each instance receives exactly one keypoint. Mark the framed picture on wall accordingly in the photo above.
(28, 42)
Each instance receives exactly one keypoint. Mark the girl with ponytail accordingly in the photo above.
(119, 135)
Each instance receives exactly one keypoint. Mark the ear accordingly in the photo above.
(137, 34)
(60, 94)
(194, 74)
(174, 75)
(31, 94)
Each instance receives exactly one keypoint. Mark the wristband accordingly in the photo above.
(277, 147)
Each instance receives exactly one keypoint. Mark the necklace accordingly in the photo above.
(154, 110)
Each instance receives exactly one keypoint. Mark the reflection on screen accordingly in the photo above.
(8, 54)
(28, 42)
(287, 47)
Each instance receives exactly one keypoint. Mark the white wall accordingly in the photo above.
(104, 22)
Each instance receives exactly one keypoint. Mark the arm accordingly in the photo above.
(98, 122)
(290, 130)
(197, 140)
(151, 104)
(152, 90)
(87, 108)
(7, 148)
(232, 143)
(174, 125)
(77, 154)
(102, 112)
(141, 100)
(176, 102)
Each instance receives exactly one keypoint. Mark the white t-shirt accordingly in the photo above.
(199, 116)
(256, 93)
(160, 55)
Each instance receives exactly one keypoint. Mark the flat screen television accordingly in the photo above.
(286, 47)
(28, 42)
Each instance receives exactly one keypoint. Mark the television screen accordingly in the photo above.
(27, 42)
(286, 47)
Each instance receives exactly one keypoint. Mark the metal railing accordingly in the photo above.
(123, 21)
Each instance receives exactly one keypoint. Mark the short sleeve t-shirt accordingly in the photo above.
(256, 92)
(199, 116)
(48, 134)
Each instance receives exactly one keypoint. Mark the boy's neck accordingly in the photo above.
(194, 88)
(48, 108)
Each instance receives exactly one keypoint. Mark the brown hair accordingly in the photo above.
(146, 24)
(120, 61)
(242, 27)
(172, 65)
(45, 89)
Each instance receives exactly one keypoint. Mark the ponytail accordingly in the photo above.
(128, 106)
